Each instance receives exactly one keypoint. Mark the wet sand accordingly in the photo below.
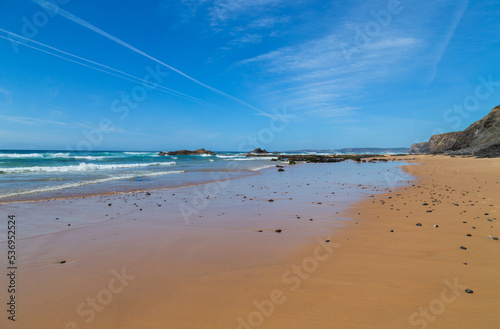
(138, 270)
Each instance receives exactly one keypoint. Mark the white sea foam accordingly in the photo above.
(82, 167)
(250, 158)
(230, 156)
(90, 182)
(77, 157)
(263, 167)
(21, 155)
(139, 153)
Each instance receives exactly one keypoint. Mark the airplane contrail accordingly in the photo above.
(89, 26)
(135, 79)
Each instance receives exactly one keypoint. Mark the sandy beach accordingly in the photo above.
(269, 251)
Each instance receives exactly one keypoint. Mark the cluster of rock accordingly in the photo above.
(186, 152)
(258, 152)
(482, 139)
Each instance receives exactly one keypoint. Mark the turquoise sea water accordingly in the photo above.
(35, 175)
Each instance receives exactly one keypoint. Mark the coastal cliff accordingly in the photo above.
(482, 138)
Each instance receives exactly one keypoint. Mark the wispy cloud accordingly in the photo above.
(33, 121)
(5, 98)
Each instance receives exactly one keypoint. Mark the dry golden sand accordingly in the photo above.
(209, 277)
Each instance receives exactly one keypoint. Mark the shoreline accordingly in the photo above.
(80, 196)
(220, 272)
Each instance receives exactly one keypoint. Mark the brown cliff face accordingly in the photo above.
(482, 138)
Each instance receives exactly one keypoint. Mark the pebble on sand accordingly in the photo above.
(62, 262)
(463, 248)
(278, 231)
(419, 224)
(469, 291)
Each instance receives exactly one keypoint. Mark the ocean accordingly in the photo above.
(40, 175)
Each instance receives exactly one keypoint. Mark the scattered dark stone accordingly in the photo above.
(473, 227)
(469, 234)
(466, 264)
(259, 231)
(270, 200)
(62, 262)
(327, 241)
(495, 238)
(69, 224)
(311, 219)
(469, 291)
(490, 220)
(425, 204)
(281, 169)
(419, 224)
(436, 225)
(109, 205)
(278, 231)
(429, 210)
(392, 231)
(464, 222)
(148, 194)
(463, 248)
(486, 214)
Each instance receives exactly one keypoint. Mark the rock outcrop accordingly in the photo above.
(482, 138)
(186, 152)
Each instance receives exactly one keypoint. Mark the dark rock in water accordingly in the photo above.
(148, 194)
(259, 231)
(109, 205)
(277, 231)
(258, 151)
(62, 262)
(469, 291)
(279, 166)
(187, 152)
(463, 248)
(281, 169)
(419, 224)
(270, 200)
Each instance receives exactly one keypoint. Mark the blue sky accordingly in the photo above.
(346, 73)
